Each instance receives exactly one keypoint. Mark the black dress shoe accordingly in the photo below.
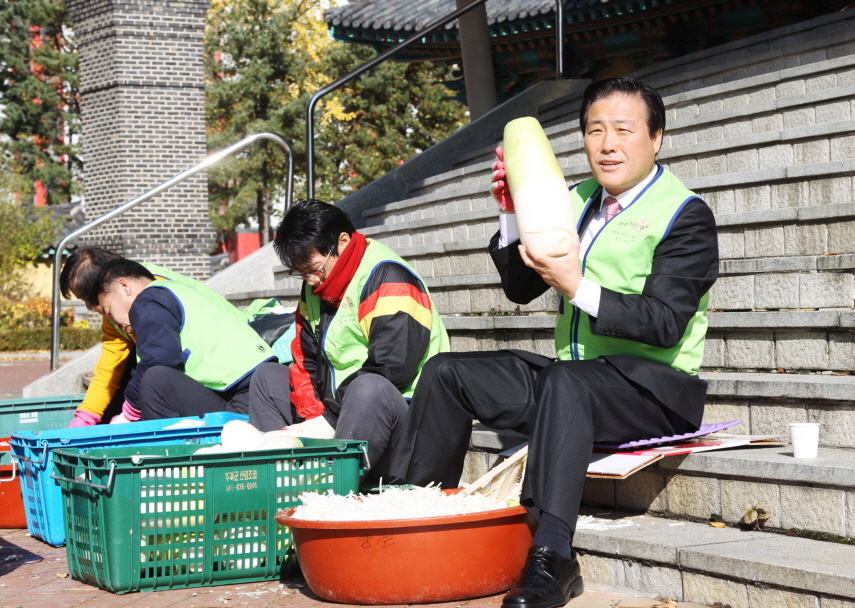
(548, 580)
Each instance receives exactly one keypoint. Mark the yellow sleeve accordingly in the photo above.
(115, 349)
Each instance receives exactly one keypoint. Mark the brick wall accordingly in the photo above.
(144, 122)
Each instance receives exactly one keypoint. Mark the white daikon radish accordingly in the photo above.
(280, 442)
(240, 436)
(210, 449)
(541, 198)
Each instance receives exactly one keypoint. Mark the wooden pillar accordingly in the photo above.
(477, 63)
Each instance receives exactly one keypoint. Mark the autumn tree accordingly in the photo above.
(39, 85)
(264, 60)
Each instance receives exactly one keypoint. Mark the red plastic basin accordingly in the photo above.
(12, 513)
(412, 561)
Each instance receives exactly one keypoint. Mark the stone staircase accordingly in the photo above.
(764, 130)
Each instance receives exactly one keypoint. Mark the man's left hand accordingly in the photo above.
(564, 273)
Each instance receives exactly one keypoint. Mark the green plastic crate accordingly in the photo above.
(152, 518)
(40, 414)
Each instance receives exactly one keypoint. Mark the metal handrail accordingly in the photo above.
(208, 162)
(310, 110)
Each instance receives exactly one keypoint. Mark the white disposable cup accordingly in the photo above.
(805, 439)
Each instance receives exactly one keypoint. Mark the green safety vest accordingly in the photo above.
(620, 258)
(162, 273)
(220, 348)
(345, 342)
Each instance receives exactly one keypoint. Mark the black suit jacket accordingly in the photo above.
(685, 266)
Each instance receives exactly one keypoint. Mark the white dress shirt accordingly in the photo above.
(588, 294)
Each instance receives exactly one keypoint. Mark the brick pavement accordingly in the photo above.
(15, 375)
(35, 575)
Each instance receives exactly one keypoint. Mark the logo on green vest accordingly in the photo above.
(640, 225)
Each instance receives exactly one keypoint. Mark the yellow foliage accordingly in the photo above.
(309, 34)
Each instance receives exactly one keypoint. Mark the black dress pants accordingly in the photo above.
(169, 393)
(564, 407)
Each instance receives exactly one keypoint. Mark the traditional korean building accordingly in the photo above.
(602, 38)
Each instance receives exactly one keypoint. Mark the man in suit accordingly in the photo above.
(629, 334)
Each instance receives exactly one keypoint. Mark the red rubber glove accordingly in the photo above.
(83, 418)
(499, 185)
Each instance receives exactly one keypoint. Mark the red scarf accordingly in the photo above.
(332, 289)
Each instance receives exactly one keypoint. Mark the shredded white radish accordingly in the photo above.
(393, 503)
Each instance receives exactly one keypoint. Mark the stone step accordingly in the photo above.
(721, 484)
(795, 117)
(802, 46)
(723, 566)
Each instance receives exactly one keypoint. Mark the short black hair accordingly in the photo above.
(625, 86)
(309, 225)
(81, 271)
(120, 268)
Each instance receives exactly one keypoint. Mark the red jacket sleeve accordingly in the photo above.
(304, 396)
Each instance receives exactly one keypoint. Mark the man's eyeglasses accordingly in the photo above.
(305, 275)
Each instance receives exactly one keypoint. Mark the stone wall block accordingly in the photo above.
(732, 293)
(463, 343)
(642, 491)
(459, 301)
(743, 161)
(838, 425)
(850, 518)
(714, 349)
(687, 111)
(800, 506)
(799, 117)
(764, 242)
(775, 419)
(693, 496)
(720, 201)
(714, 164)
(778, 598)
(667, 581)
(737, 497)
(833, 112)
(483, 300)
(599, 493)
(441, 301)
(841, 237)
(831, 191)
(713, 133)
(762, 96)
(841, 351)
(734, 101)
(684, 169)
(793, 194)
(682, 138)
(731, 243)
(737, 128)
(820, 83)
(805, 239)
(544, 344)
(718, 411)
(811, 152)
(801, 350)
(826, 290)
(710, 590)
(843, 148)
(750, 350)
(790, 88)
(424, 267)
(752, 199)
(442, 266)
(769, 122)
(774, 157)
(603, 571)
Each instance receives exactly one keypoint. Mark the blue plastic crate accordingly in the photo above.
(32, 451)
